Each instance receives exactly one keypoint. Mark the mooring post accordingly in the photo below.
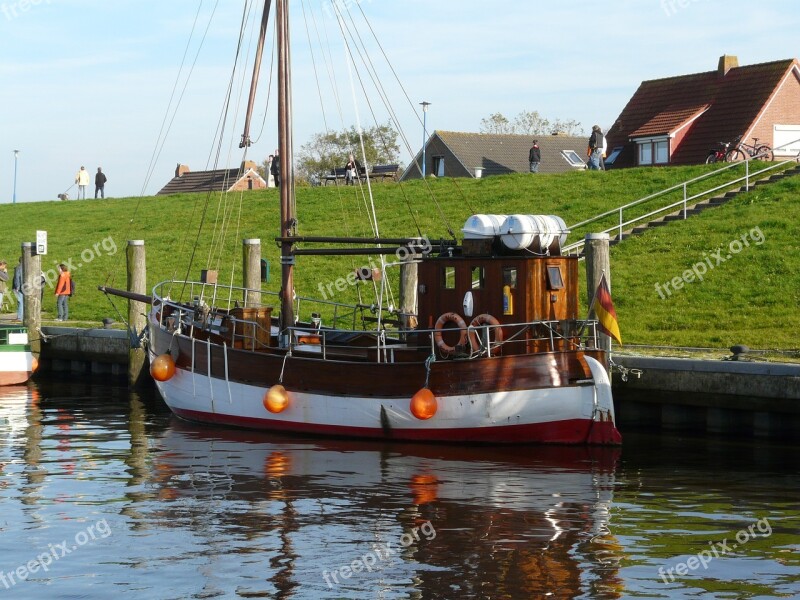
(596, 248)
(408, 294)
(32, 294)
(251, 269)
(137, 311)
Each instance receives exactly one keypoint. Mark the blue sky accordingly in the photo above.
(88, 82)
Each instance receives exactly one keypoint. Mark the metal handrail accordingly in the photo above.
(577, 246)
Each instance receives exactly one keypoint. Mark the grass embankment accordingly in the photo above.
(751, 299)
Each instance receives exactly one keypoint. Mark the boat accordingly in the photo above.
(17, 362)
(486, 346)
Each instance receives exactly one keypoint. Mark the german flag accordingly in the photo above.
(604, 309)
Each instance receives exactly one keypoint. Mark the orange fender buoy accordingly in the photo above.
(163, 367)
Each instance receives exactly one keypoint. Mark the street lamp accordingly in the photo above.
(425, 106)
(16, 157)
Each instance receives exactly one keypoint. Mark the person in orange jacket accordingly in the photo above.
(63, 291)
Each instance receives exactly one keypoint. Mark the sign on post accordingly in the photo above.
(41, 242)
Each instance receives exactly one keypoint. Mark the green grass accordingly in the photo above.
(751, 299)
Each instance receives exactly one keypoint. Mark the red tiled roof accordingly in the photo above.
(735, 101)
(669, 120)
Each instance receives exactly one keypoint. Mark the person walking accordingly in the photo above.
(63, 289)
(82, 179)
(597, 149)
(100, 183)
(275, 169)
(535, 156)
(16, 287)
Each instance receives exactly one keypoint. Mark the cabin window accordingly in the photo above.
(510, 277)
(449, 278)
(554, 280)
(438, 166)
(477, 278)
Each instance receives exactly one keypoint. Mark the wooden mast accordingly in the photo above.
(285, 150)
(246, 142)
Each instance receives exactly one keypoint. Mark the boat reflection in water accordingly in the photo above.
(342, 518)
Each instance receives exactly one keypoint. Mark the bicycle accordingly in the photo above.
(718, 154)
(744, 151)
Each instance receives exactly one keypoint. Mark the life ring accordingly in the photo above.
(449, 317)
(484, 319)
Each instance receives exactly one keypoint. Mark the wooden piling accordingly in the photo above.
(409, 280)
(251, 269)
(137, 311)
(596, 249)
(32, 294)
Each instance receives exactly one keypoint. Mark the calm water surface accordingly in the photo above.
(104, 495)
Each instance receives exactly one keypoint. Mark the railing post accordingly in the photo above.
(747, 175)
(620, 227)
(684, 200)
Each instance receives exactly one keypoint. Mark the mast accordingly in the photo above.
(246, 142)
(286, 152)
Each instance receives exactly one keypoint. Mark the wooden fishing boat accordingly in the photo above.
(487, 345)
(17, 362)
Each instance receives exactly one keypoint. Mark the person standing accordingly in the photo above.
(597, 149)
(535, 156)
(3, 280)
(270, 176)
(275, 169)
(351, 170)
(100, 183)
(16, 286)
(63, 289)
(82, 179)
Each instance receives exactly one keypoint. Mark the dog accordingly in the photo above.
(63, 196)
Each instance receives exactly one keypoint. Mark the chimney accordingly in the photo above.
(726, 63)
(181, 169)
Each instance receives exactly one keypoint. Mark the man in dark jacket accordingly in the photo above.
(17, 287)
(535, 156)
(100, 183)
(275, 169)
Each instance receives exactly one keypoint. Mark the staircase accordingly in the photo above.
(697, 208)
(689, 205)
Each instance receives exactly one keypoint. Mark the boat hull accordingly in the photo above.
(477, 401)
(17, 364)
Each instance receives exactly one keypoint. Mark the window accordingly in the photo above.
(438, 166)
(554, 280)
(448, 278)
(477, 278)
(510, 277)
(653, 151)
(573, 158)
(614, 155)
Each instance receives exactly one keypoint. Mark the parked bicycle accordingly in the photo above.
(754, 151)
(718, 154)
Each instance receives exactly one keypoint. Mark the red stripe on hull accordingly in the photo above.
(14, 377)
(573, 431)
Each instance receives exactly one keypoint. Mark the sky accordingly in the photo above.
(98, 83)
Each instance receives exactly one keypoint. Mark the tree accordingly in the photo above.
(329, 150)
(529, 123)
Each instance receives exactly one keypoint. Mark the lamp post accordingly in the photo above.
(425, 106)
(16, 158)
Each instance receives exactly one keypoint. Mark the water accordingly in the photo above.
(104, 495)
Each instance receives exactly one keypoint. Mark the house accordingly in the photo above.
(245, 177)
(455, 154)
(678, 120)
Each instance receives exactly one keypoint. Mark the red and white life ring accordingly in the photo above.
(480, 320)
(449, 317)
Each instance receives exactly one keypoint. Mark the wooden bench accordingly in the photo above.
(383, 172)
(340, 173)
